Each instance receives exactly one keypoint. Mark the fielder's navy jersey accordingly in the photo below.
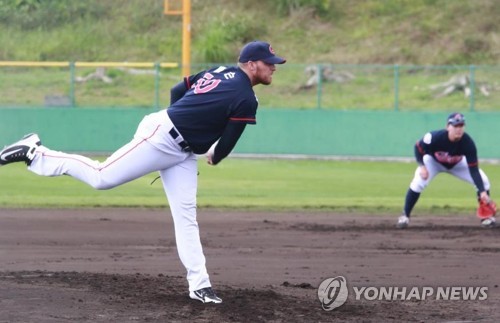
(447, 153)
(213, 99)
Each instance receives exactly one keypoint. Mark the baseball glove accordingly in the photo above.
(486, 209)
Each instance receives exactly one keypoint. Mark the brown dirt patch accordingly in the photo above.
(121, 265)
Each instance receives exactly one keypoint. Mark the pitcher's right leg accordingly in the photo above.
(135, 159)
(20, 151)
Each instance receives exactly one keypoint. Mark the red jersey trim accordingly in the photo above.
(186, 82)
(420, 150)
(242, 119)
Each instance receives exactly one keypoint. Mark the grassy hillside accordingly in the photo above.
(420, 32)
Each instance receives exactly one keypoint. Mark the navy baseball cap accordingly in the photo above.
(259, 51)
(456, 119)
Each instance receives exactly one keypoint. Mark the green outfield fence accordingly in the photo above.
(310, 132)
(353, 110)
(295, 86)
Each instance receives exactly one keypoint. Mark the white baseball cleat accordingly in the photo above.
(403, 222)
(205, 295)
(489, 222)
(22, 150)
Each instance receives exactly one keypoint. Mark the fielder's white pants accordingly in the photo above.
(152, 149)
(460, 170)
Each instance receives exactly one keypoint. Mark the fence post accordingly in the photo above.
(396, 87)
(157, 86)
(72, 84)
(472, 87)
(320, 84)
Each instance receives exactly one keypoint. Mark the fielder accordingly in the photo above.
(451, 151)
(213, 105)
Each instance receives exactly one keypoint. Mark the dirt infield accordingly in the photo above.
(121, 265)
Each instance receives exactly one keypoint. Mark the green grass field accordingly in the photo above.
(259, 184)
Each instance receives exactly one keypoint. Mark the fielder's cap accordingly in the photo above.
(456, 119)
(259, 51)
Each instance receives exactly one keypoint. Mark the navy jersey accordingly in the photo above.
(448, 153)
(213, 98)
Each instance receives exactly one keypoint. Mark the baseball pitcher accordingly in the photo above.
(212, 106)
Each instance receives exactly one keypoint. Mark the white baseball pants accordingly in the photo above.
(460, 170)
(152, 149)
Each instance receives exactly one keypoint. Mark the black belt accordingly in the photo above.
(183, 144)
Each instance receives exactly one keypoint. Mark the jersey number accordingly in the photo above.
(205, 84)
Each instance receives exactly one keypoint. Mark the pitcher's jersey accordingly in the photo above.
(214, 98)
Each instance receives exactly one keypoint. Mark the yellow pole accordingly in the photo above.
(186, 37)
(186, 32)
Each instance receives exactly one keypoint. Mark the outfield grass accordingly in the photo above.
(372, 187)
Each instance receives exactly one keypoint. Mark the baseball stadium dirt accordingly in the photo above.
(121, 265)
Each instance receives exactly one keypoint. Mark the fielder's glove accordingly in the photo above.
(486, 209)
